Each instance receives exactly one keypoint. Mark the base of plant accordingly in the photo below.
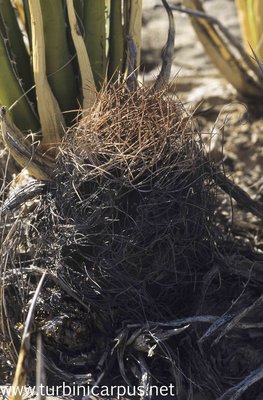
(138, 288)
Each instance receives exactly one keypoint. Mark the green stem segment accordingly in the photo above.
(95, 38)
(12, 94)
(16, 44)
(59, 68)
(86, 75)
(116, 40)
(51, 118)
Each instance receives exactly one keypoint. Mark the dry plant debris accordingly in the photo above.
(138, 283)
